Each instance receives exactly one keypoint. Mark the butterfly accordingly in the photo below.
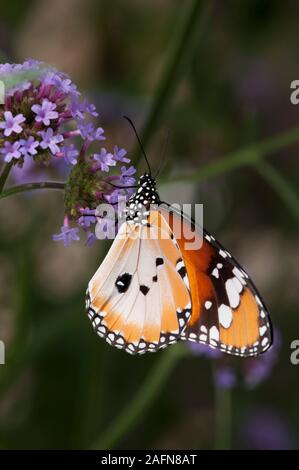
(153, 290)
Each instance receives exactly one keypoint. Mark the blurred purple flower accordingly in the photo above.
(126, 175)
(266, 430)
(28, 147)
(65, 85)
(104, 160)
(225, 377)
(87, 218)
(79, 108)
(86, 129)
(119, 155)
(69, 153)
(45, 112)
(11, 150)
(90, 238)
(113, 196)
(50, 140)
(90, 109)
(67, 235)
(12, 123)
(98, 134)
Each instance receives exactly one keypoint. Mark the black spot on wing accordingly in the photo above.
(182, 272)
(144, 289)
(123, 282)
(159, 261)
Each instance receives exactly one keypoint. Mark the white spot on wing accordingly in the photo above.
(208, 304)
(225, 315)
(232, 293)
(222, 253)
(215, 273)
(214, 333)
(237, 284)
(263, 330)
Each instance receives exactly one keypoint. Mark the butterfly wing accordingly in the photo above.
(139, 299)
(227, 310)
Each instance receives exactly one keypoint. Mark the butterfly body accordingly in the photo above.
(152, 291)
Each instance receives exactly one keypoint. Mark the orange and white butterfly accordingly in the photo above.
(150, 291)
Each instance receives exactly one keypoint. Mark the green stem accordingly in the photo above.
(223, 411)
(32, 186)
(250, 155)
(281, 186)
(173, 67)
(4, 175)
(143, 399)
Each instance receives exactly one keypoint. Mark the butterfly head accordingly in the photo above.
(145, 196)
(146, 193)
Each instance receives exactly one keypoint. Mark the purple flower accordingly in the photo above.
(50, 140)
(86, 129)
(11, 150)
(41, 128)
(51, 78)
(90, 109)
(114, 196)
(12, 123)
(90, 239)
(67, 235)
(65, 85)
(89, 132)
(126, 175)
(69, 153)
(225, 377)
(119, 155)
(79, 108)
(87, 217)
(28, 147)
(98, 134)
(45, 112)
(104, 159)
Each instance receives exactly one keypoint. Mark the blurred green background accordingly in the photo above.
(217, 76)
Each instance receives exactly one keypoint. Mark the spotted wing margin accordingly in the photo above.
(228, 313)
(139, 300)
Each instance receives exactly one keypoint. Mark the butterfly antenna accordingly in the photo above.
(140, 144)
(121, 187)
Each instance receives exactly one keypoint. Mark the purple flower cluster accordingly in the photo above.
(37, 111)
(44, 118)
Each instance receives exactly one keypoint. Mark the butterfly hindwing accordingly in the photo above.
(139, 299)
(227, 311)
